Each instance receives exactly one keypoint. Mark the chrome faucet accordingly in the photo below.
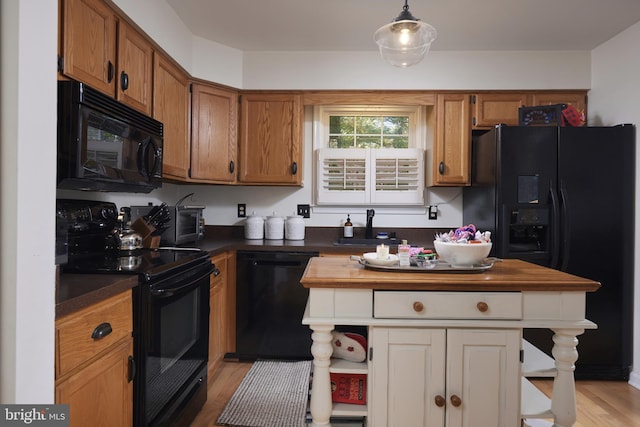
(368, 231)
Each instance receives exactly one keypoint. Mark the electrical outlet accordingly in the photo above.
(304, 210)
(242, 210)
(433, 212)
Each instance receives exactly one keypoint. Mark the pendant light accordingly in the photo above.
(406, 40)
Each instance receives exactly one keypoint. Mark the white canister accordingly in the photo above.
(254, 227)
(294, 228)
(274, 228)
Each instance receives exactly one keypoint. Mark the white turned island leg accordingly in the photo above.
(321, 349)
(563, 399)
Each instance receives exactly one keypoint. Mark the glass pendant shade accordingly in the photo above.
(406, 40)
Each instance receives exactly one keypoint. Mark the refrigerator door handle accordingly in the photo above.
(555, 227)
(564, 221)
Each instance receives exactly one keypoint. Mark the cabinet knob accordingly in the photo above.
(418, 306)
(456, 401)
(482, 306)
(440, 401)
(294, 168)
(441, 168)
(232, 166)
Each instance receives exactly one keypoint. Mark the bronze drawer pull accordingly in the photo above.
(482, 306)
(101, 331)
(456, 401)
(418, 307)
(440, 401)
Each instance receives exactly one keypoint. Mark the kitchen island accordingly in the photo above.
(446, 348)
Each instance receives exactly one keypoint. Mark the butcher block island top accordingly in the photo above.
(505, 275)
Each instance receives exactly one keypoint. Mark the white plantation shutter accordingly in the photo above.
(399, 176)
(370, 176)
(342, 176)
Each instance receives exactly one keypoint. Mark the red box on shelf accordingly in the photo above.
(349, 388)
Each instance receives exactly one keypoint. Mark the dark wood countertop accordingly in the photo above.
(507, 275)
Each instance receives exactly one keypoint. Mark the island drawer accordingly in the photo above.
(447, 305)
(82, 335)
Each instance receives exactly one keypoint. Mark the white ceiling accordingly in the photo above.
(346, 25)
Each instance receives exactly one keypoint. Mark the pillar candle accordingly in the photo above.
(382, 251)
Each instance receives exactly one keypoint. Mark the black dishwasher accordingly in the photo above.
(270, 303)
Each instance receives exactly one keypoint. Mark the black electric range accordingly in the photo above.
(170, 311)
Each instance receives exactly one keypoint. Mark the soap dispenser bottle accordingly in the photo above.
(348, 227)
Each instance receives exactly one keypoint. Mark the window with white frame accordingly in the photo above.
(371, 155)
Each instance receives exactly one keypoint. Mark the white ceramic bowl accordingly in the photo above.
(462, 254)
(372, 258)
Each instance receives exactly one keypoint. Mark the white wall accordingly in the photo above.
(27, 199)
(613, 99)
(439, 70)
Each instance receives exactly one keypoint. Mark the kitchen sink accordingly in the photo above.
(346, 241)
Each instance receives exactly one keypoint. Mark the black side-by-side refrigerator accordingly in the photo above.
(564, 197)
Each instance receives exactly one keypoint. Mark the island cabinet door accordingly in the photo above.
(483, 378)
(407, 373)
(444, 377)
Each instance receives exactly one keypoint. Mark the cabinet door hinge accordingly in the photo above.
(473, 99)
(60, 63)
(522, 356)
(473, 121)
(190, 87)
(370, 354)
(189, 172)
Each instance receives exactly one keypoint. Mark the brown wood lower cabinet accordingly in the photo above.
(100, 394)
(94, 363)
(217, 315)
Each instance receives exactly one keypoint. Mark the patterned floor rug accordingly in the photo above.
(272, 394)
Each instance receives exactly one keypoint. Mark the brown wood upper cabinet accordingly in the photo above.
(452, 146)
(214, 118)
(271, 139)
(577, 99)
(171, 107)
(490, 109)
(89, 43)
(135, 68)
(106, 53)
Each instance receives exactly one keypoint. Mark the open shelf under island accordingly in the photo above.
(446, 348)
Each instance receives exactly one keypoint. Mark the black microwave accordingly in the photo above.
(104, 145)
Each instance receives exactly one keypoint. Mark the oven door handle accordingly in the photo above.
(169, 292)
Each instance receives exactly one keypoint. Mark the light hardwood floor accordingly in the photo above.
(600, 403)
